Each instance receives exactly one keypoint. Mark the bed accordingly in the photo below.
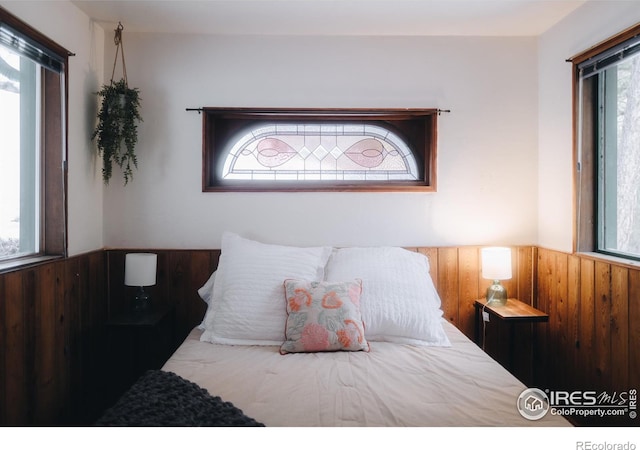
(393, 385)
(349, 337)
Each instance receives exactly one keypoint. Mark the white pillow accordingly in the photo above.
(399, 302)
(206, 290)
(247, 305)
(205, 293)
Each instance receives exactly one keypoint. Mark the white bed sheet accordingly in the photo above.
(392, 385)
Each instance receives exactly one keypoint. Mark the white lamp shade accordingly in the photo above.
(140, 269)
(496, 263)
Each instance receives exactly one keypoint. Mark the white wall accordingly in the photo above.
(511, 113)
(587, 26)
(487, 154)
(68, 26)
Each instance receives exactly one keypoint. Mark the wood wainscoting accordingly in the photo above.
(456, 272)
(51, 321)
(592, 340)
(180, 274)
(53, 316)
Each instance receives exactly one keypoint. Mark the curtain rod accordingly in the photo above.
(199, 110)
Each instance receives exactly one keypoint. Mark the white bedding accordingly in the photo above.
(392, 385)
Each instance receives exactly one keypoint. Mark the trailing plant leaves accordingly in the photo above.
(117, 129)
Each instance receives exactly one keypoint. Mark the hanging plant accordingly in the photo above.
(117, 129)
(118, 117)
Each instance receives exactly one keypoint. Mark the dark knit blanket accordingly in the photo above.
(162, 398)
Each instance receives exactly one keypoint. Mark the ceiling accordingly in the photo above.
(332, 17)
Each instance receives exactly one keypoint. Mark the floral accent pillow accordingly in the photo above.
(323, 317)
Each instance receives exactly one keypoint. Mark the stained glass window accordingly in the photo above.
(312, 152)
(318, 150)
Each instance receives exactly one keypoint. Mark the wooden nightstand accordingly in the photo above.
(509, 335)
(137, 342)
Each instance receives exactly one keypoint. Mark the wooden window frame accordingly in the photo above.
(417, 126)
(585, 157)
(53, 150)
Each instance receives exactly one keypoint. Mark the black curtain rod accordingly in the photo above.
(199, 110)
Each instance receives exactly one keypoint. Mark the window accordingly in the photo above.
(279, 150)
(32, 135)
(608, 146)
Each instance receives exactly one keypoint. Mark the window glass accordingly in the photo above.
(608, 146)
(312, 152)
(19, 158)
(307, 149)
(619, 158)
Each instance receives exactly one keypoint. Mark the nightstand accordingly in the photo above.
(509, 335)
(137, 342)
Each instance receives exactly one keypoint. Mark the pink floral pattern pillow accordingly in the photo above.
(323, 317)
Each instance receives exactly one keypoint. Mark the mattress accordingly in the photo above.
(393, 385)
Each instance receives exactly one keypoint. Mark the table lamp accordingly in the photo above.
(496, 266)
(140, 271)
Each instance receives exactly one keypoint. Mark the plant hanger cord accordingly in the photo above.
(117, 39)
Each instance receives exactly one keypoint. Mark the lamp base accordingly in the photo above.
(142, 301)
(497, 294)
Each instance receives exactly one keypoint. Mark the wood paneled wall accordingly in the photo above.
(51, 321)
(456, 272)
(592, 340)
(180, 274)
